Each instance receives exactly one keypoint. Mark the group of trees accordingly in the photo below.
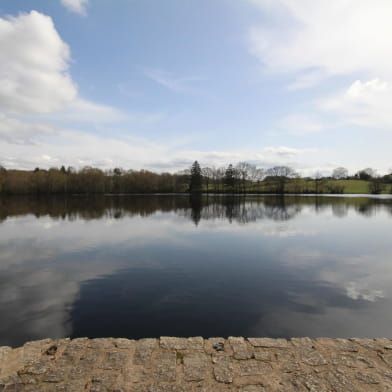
(243, 177)
(89, 180)
(377, 184)
(367, 174)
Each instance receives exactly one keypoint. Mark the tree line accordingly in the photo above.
(243, 177)
(248, 178)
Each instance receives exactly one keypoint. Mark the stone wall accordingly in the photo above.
(193, 364)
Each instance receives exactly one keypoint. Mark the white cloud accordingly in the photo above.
(363, 103)
(18, 132)
(262, 157)
(77, 6)
(334, 37)
(355, 292)
(313, 41)
(75, 148)
(34, 76)
(34, 65)
(35, 84)
(78, 149)
(81, 110)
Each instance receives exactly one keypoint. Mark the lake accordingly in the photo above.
(154, 265)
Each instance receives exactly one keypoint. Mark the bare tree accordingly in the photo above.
(318, 180)
(366, 174)
(280, 175)
(259, 175)
(242, 170)
(281, 171)
(254, 174)
(376, 186)
(339, 173)
(208, 175)
(220, 175)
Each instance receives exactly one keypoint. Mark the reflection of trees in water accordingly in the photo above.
(370, 210)
(242, 210)
(340, 210)
(90, 207)
(197, 207)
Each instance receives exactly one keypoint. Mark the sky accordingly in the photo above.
(158, 84)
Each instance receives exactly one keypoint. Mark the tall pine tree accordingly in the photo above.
(229, 178)
(196, 178)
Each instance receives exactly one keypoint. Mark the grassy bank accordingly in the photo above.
(302, 185)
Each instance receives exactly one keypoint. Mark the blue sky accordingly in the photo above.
(158, 84)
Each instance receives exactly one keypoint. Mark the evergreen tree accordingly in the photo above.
(229, 178)
(196, 178)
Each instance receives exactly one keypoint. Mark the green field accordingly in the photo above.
(334, 186)
(309, 186)
(354, 186)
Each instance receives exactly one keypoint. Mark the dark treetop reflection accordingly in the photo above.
(142, 266)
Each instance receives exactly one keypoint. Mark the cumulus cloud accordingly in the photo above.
(363, 103)
(36, 88)
(338, 37)
(324, 39)
(77, 6)
(34, 66)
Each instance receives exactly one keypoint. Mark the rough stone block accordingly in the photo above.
(101, 343)
(254, 368)
(114, 360)
(103, 382)
(125, 344)
(166, 366)
(4, 351)
(262, 355)
(195, 366)
(223, 368)
(268, 342)
(173, 343)
(89, 358)
(312, 357)
(144, 350)
(240, 348)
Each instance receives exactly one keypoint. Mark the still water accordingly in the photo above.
(146, 266)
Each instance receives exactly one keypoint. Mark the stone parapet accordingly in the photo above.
(172, 364)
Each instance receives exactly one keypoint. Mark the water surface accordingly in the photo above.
(146, 266)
